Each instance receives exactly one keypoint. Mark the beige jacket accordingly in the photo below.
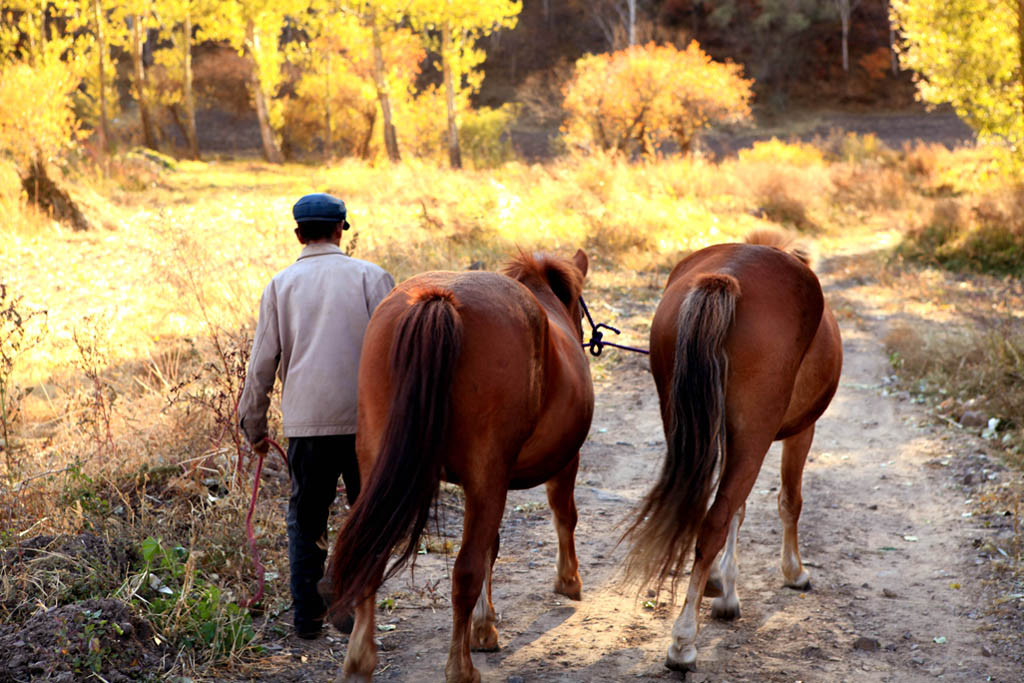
(313, 315)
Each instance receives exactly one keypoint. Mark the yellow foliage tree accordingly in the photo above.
(337, 96)
(177, 21)
(969, 53)
(633, 100)
(35, 130)
(451, 28)
(254, 29)
(99, 25)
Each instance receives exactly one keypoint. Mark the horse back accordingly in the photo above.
(502, 380)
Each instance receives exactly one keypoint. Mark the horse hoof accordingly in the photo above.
(472, 676)
(687, 662)
(571, 589)
(801, 583)
(725, 609)
(484, 639)
(326, 590)
(713, 587)
(344, 624)
(353, 678)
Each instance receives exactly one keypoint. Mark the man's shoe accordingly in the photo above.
(309, 630)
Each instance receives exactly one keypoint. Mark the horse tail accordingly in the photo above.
(394, 506)
(671, 514)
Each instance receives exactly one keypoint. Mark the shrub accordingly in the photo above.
(986, 235)
(484, 136)
(776, 151)
(18, 333)
(633, 100)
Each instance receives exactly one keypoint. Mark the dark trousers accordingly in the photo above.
(316, 462)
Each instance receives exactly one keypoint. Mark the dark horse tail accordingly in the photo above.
(394, 506)
(672, 513)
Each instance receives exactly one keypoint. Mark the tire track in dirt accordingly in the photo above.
(895, 594)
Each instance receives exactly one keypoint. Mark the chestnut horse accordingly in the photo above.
(744, 352)
(479, 379)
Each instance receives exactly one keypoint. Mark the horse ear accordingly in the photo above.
(581, 261)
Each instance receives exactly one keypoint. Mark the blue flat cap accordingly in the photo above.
(319, 207)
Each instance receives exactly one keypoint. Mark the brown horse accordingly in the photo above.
(744, 352)
(479, 379)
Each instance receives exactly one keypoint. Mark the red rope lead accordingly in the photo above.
(260, 569)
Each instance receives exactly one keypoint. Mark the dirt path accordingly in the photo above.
(885, 531)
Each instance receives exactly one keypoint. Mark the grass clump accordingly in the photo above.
(975, 234)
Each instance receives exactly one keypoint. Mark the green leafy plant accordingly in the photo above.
(186, 608)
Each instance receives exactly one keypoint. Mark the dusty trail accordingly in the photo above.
(895, 595)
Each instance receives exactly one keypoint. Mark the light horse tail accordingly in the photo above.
(672, 513)
(394, 505)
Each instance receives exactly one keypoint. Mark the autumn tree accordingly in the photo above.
(139, 19)
(177, 21)
(845, 9)
(451, 29)
(35, 130)
(343, 86)
(616, 19)
(767, 34)
(382, 19)
(632, 100)
(99, 25)
(969, 53)
(254, 28)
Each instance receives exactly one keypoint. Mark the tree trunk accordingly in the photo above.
(454, 153)
(845, 9)
(1020, 60)
(328, 125)
(271, 152)
(846, 42)
(47, 195)
(190, 102)
(104, 129)
(387, 124)
(632, 22)
(364, 144)
(892, 41)
(139, 68)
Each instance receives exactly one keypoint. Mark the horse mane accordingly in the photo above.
(561, 275)
(782, 241)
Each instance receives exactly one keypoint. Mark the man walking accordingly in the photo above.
(312, 319)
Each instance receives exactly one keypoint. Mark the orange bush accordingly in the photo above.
(633, 100)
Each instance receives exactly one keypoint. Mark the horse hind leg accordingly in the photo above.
(361, 656)
(715, 585)
(484, 636)
(727, 606)
(484, 507)
(794, 454)
(560, 490)
(741, 467)
(682, 652)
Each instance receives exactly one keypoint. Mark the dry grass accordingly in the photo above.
(127, 432)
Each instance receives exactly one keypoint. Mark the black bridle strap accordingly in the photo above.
(597, 342)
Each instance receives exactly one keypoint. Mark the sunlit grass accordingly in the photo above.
(149, 315)
(223, 229)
